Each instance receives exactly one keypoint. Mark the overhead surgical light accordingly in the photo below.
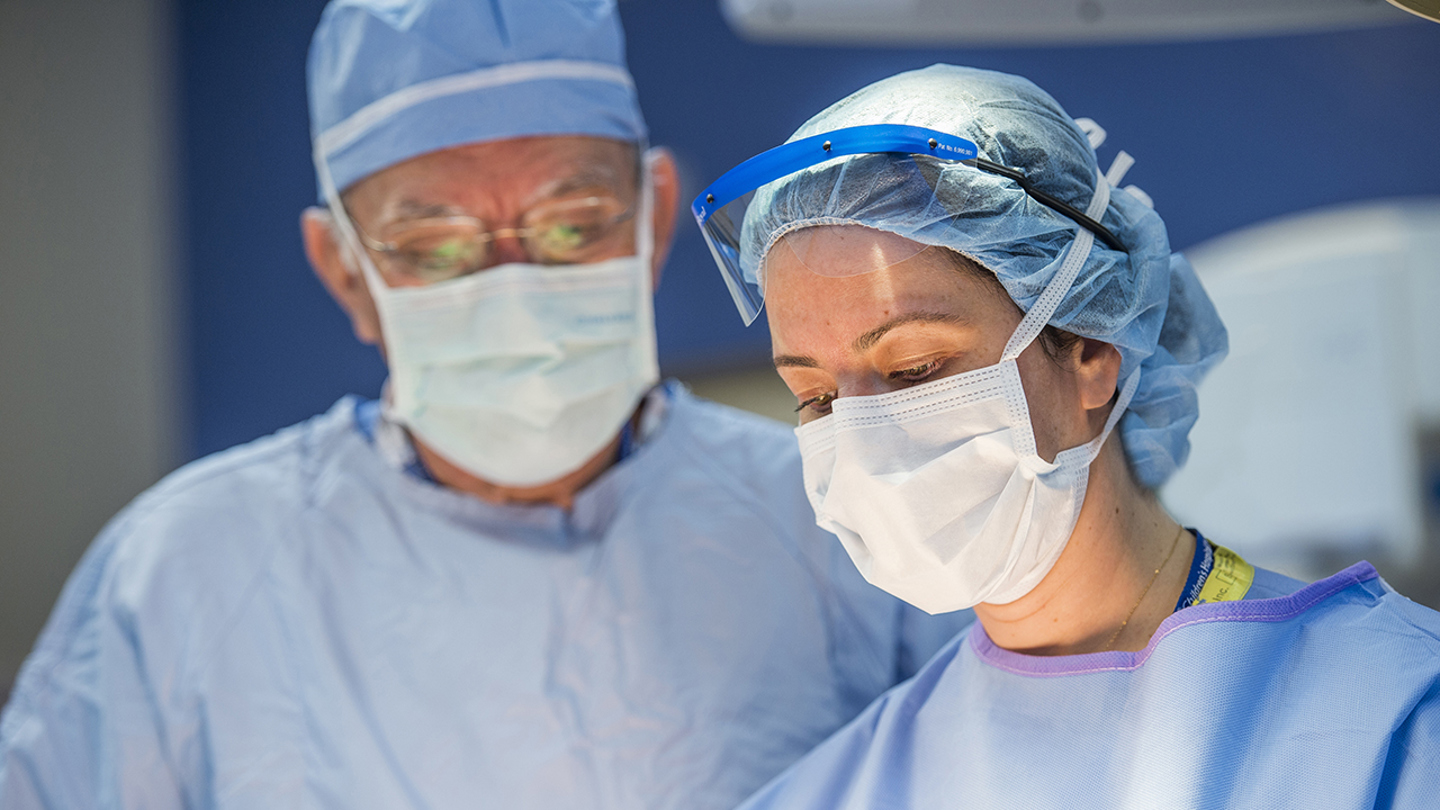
(1024, 22)
(1429, 9)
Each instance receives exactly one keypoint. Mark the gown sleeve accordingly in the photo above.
(1411, 779)
(81, 729)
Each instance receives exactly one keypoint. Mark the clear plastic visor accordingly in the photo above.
(739, 242)
(748, 214)
(824, 247)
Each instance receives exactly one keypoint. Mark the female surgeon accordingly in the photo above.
(995, 355)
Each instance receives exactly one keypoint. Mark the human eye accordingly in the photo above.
(564, 236)
(565, 231)
(818, 405)
(915, 373)
(433, 257)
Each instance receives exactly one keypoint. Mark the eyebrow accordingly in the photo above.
(870, 338)
(587, 178)
(414, 209)
(794, 361)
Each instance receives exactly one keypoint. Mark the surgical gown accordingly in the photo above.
(296, 623)
(1321, 696)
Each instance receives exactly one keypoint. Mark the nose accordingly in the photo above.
(864, 384)
(508, 249)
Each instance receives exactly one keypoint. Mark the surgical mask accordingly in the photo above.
(521, 373)
(937, 491)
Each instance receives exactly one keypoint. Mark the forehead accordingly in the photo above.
(814, 269)
(840, 250)
(847, 279)
(496, 177)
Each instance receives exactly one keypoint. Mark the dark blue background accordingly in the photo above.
(1226, 134)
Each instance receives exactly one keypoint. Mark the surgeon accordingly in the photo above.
(528, 576)
(995, 355)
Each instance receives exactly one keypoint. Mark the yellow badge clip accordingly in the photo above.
(1230, 579)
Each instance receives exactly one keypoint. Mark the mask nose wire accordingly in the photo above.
(1044, 307)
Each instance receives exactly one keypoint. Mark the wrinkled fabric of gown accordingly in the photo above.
(1323, 696)
(296, 624)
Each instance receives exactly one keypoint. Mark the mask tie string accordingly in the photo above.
(1094, 133)
(1118, 167)
(1049, 300)
(1116, 176)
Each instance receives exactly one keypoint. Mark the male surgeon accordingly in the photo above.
(529, 575)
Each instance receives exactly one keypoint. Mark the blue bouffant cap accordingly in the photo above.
(1145, 300)
(393, 79)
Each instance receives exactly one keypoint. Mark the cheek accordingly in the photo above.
(1056, 416)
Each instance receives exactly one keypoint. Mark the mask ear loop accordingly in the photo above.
(355, 251)
(645, 246)
(349, 239)
(645, 251)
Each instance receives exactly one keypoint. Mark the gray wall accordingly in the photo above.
(87, 327)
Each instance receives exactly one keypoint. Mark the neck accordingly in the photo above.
(1106, 574)
(560, 492)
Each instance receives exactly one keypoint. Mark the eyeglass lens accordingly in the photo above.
(573, 231)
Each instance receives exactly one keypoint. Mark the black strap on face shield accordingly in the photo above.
(1053, 203)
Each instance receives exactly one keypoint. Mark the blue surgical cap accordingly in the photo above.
(393, 79)
(1145, 301)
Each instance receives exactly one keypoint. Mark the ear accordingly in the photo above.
(665, 180)
(336, 271)
(1097, 374)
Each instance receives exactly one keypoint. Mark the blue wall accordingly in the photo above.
(1225, 134)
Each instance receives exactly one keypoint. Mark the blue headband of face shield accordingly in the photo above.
(720, 210)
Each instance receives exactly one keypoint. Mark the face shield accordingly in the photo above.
(744, 213)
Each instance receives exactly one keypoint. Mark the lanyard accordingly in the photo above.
(1216, 575)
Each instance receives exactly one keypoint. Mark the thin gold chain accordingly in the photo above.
(1146, 592)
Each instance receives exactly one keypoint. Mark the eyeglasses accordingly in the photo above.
(429, 251)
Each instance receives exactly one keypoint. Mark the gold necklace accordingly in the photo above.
(1145, 592)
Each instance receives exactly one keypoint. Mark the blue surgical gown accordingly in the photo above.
(1325, 696)
(297, 624)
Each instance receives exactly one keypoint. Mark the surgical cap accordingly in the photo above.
(391, 79)
(1145, 301)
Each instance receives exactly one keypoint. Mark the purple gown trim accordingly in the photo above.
(1276, 609)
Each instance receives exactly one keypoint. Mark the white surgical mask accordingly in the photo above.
(521, 373)
(937, 491)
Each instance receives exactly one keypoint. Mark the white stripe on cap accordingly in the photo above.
(372, 114)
